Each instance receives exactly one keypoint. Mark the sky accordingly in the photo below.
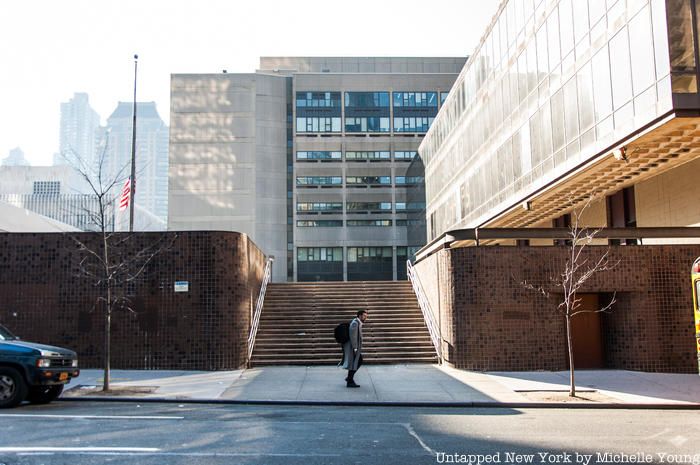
(51, 49)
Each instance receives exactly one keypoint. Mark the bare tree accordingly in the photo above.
(578, 269)
(109, 260)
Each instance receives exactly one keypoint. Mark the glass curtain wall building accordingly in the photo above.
(561, 100)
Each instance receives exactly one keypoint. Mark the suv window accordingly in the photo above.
(6, 335)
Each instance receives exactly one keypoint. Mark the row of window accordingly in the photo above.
(364, 124)
(312, 181)
(415, 99)
(337, 155)
(47, 187)
(367, 124)
(318, 99)
(355, 223)
(355, 254)
(310, 207)
(367, 99)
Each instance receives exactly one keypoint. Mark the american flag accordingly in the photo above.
(126, 195)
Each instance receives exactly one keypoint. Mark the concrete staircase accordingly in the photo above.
(297, 322)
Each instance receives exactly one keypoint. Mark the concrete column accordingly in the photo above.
(345, 263)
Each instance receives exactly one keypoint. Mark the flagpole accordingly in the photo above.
(133, 155)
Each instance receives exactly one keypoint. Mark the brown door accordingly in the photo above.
(587, 335)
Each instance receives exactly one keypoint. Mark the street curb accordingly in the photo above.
(313, 403)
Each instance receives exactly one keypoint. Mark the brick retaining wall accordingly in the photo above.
(491, 322)
(42, 299)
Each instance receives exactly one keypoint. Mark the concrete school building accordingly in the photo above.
(561, 101)
(310, 157)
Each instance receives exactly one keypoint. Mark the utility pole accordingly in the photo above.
(132, 194)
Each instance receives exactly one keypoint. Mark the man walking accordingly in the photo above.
(352, 350)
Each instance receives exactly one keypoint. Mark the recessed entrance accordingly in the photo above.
(587, 333)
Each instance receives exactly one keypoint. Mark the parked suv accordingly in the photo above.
(32, 371)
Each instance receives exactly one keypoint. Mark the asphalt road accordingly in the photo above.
(125, 433)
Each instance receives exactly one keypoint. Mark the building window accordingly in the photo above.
(319, 156)
(354, 181)
(413, 124)
(379, 223)
(368, 207)
(320, 254)
(318, 112)
(313, 181)
(318, 99)
(320, 223)
(409, 180)
(303, 207)
(367, 112)
(682, 47)
(368, 156)
(47, 187)
(415, 99)
(405, 155)
(366, 124)
(367, 100)
(369, 254)
(414, 111)
(443, 97)
(320, 263)
(370, 263)
(318, 124)
(410, 206)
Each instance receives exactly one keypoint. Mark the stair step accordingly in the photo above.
(297, 322)
(323, 338)
(333, 321)
(337, 355)
(336, 361)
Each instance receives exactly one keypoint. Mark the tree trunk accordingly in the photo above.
(108, 330)
(570, 346)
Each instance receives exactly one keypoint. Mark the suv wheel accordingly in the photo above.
(13, 389)
(44, 394)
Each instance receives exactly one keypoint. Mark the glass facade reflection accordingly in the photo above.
(551, 86)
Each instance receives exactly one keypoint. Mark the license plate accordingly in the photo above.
(63, 376)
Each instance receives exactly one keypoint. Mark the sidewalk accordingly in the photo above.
(396, 384)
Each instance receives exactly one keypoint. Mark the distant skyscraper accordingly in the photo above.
(15, 158)
(79, 126)
(151, 162)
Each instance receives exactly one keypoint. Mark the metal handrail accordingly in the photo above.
(433, 327)
(258, 308)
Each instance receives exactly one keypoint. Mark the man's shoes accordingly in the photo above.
(352, 384)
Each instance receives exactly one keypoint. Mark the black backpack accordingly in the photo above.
(342, 333)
